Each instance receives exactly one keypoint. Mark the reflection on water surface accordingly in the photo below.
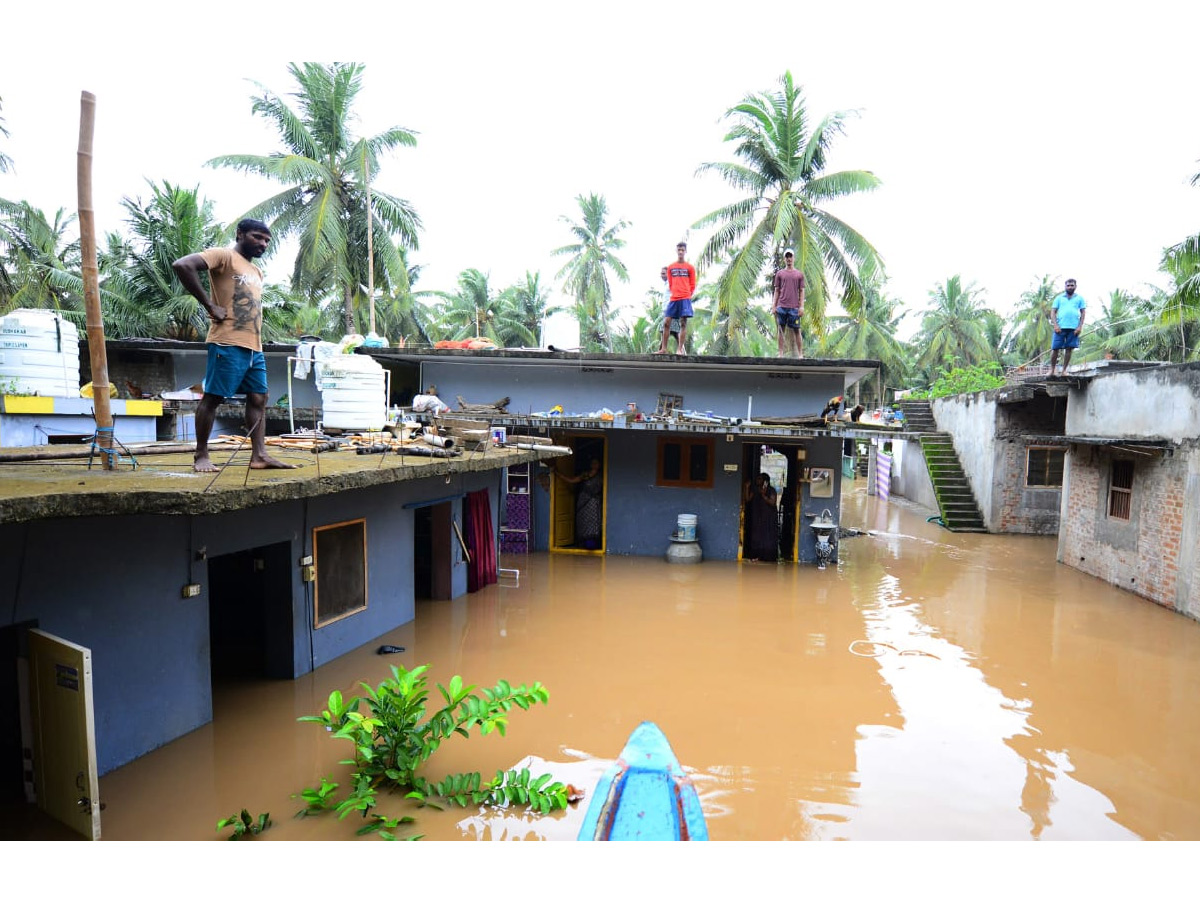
(933, 685)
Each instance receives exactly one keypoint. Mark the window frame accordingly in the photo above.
(1048, 449)
(1120, 496)
(685, 462)
(318, 622)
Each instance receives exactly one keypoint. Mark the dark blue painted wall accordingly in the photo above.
(642, 515)
(113, 585)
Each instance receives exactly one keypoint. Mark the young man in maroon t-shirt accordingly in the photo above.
(789, 304)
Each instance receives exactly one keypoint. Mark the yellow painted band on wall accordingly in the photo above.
(143, 407)
(28, 404)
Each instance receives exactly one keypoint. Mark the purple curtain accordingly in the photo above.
(478, 526)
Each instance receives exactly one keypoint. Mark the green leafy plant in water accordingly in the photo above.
(245, 824)
(317, 800)
(395, 738)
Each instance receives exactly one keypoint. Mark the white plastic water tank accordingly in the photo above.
(353, 393)
(39, 354)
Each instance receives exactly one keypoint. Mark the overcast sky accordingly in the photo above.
(1042, 138)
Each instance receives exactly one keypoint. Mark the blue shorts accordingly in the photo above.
(1067, 339)
(234, 370)
(788, 318)
(679, 309)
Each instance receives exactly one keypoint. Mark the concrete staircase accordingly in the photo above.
(956, 500)
(918, 416)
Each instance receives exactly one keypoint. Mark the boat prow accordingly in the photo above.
(645, 796)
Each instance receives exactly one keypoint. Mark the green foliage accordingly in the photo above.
(326, 173)
(785, 193)
(967, 380)
(585, 276)
(317, 800)
(394, 738)
(245, 824)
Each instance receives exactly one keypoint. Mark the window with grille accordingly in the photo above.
(1120, 489)
(1044, 466)
(685, 463)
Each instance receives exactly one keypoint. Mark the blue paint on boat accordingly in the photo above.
(645, 796)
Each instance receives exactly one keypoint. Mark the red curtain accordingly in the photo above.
(478, 521)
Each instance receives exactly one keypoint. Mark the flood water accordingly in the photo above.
(931, 686)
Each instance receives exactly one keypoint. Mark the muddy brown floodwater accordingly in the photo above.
(932, 686)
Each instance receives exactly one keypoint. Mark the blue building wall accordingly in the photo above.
(642, 515)
(534, 388)
(113, 585)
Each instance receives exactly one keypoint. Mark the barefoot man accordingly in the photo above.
(235, 361)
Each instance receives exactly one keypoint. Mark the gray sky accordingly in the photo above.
(1046, 138)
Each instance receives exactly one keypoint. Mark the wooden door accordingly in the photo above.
(64, 732)
(562, 507)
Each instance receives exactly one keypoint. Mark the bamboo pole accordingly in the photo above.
(91, 280)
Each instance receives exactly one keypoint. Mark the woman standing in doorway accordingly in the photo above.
(762, 524)
(588, 505)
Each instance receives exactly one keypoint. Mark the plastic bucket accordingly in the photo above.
(685, 527)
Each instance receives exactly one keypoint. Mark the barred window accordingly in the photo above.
(1120, 489)
(1044, 466)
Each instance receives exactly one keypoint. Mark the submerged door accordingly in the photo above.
(64, 732)
(562, 501)
(579, 509)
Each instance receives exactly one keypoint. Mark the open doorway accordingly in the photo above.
(432, 561)
(250, 614)
(14, 737)
(578, 495)
(781, 463)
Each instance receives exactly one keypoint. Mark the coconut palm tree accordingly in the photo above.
(327, 173)
(1031, 331)
(586, 274)
(524, 308)
(952, 330)
(148, 299)
(871, 334)
(640, 336)
(780, 172)
(5, 160)
(39, 261)
(471, 311)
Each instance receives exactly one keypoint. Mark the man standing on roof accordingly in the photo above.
(681, 279)
(674, 324)
(1066, 314)
(789, 304)
(236, 364)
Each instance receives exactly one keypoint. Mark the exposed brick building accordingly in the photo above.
(1131, 486)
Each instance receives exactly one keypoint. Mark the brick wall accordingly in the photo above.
(1142, 554)
(1019, 509)
(151, 371)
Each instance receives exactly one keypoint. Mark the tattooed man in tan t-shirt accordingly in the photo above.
(236, 364)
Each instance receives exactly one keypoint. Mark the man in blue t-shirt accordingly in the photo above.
(1066, 314)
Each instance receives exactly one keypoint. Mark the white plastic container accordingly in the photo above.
(39, 354)
(353, 393)
(685, 527)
